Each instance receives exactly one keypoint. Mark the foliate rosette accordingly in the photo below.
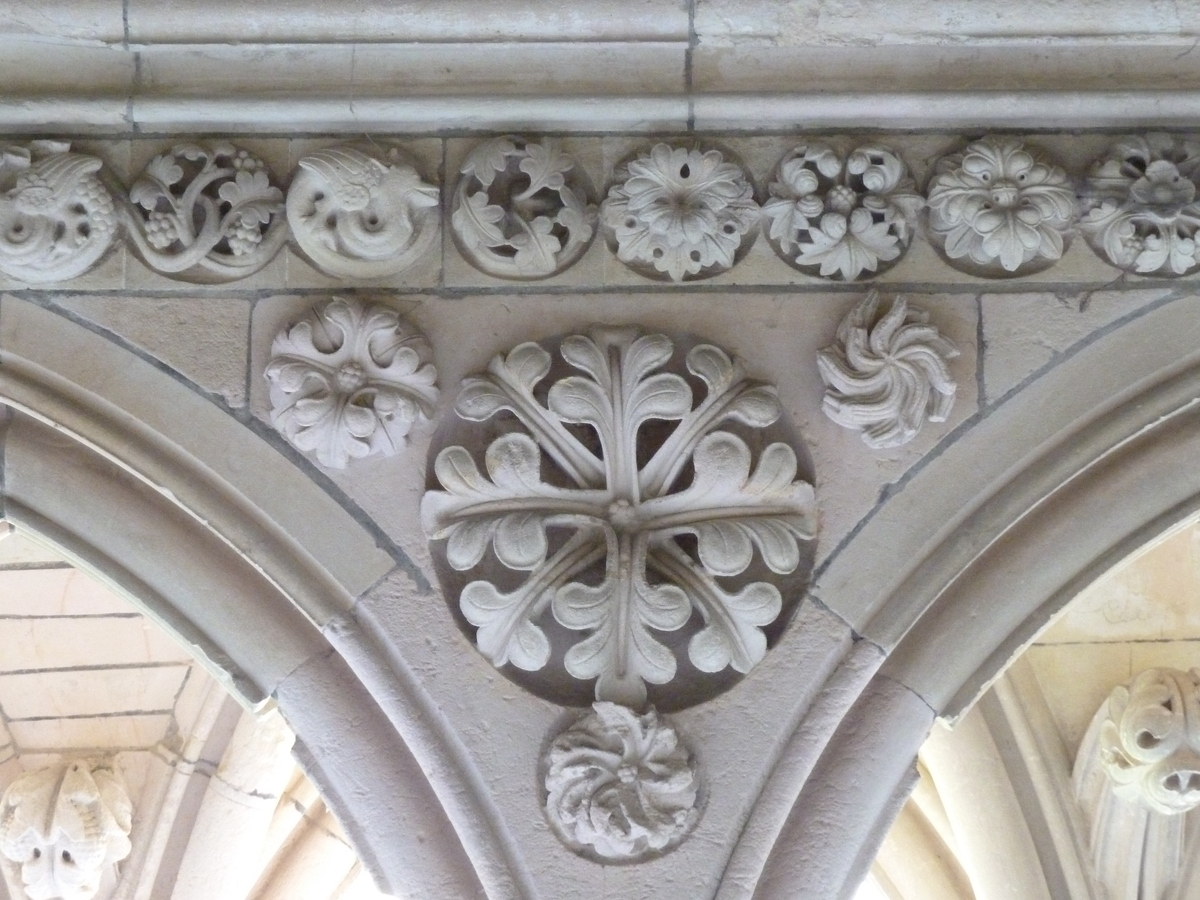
(885, 375)
(206, 213)
(999, 209)
(361, 212)
(522, 209)
(1140, 210)
(620, 786)
(350, 380)
(618, 505)
(57, 218)
(681, 214)
(842, 217)
(1150, 742)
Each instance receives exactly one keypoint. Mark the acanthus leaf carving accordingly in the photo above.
(1000, 209)
(886, 374)
(360, 214)
(680, 213)
(208, 214)
(521, 208)
(57, 219)
(840, 217)
(350, 380)
(622, 576)
(621, 786)
(1140, 210)
(61, 827)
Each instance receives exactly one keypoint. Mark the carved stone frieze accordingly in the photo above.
(207, 213)
(1140, 210)
(841, 216)
(681, 213)
(589, 496)
(350, 380)
(620, 786)
(522, 209)
(61, 827)
(57, 218)
(999, 209)
(362, 214)
(885, 375)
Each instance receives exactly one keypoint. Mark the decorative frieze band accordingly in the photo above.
(678, 209)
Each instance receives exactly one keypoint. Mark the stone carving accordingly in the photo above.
(60, 827)
(1150, 742)
(620, 786)
(1140, 210)
(886, 374)
(681, 214)
(207, 214)
(841, 216)
(997, 208)
(521, 208)
(617, 487)
(359, 214)
(56, 216)
(350, 380)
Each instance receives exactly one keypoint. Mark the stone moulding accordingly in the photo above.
(206, 213)
(886, 374)
(350, 380)
(57, 219)
(620, 786)
(61, 827)
(362, 214)
(521, 208)
(592, 503)
(681, 214)
(841, 215)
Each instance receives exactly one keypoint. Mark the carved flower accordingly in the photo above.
(839, 217)
(620, 785)
(521, 209)
(360, 214)
(62, 827)
(1140, 209)
(997, 203)
(57, 219)
(1150, 743)
(885, 377)
(584, 485)
(207, 213)
(681, 212)
(349, 381)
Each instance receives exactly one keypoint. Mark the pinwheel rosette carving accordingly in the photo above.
(886, 374)
(362, 214)
(1150, 742)
(206, 214)
(521, 208)
(350, 380)
(57, 219)
(620, 786)
(999, 209)
(1140, 210)
(841, 216)
(630, 529)
(681, 214)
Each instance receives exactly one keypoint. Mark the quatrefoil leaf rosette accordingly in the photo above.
(621, 528)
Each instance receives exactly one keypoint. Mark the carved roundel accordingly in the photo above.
(620, 516)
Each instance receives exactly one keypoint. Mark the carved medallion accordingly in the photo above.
(621, 511)
(681, 214)
(521, 209)
(56, 216)
(359, 214)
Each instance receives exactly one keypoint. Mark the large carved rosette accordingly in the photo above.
(632, 523)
